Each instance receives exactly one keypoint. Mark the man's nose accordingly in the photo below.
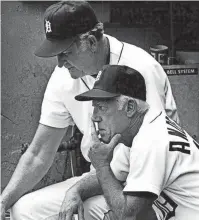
(96, 117)
(60, 60)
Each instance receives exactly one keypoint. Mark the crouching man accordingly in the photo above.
(158, 163)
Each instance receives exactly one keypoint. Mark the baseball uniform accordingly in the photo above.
(60, 109)
(163, 160)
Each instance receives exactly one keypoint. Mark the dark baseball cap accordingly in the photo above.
(116, 80)
(63, 21)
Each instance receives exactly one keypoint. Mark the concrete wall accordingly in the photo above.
(24, 78)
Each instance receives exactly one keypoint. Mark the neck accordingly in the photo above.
(133, 128)
(102, 53)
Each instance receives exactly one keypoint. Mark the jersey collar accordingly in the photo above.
(116, 47)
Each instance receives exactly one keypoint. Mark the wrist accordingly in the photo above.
(74, 189)
(103, 168)
(73, 194)
(3, 206)
(3, 202)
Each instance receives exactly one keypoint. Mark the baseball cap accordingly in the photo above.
(63, 21)
(116, 80)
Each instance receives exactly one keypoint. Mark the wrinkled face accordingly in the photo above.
(74, 72)
(78, 55)
(110, 120)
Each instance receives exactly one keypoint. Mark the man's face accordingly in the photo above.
(78, 56)
(110, 120)
(74, 72)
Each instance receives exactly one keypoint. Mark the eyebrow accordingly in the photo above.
(66, 52)
(97, 103)
(69, 49)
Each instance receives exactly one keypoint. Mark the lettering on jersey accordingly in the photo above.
(197, 145)
(179, 146)
(164, 207)
(178, 133)
(176, 130)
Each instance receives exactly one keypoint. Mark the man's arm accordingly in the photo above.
(85, 188)
(33, 164)
(123, 206)
(89, 186)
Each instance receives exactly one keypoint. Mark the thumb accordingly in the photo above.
(115, 140)
(81, 212)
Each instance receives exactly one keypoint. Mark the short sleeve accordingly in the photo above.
(148, 166)
(54, 112)
(120, 162)
(170, 105)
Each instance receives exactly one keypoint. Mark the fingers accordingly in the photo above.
(93, 131)
(64, 216)
(81, 212)
(115, 140)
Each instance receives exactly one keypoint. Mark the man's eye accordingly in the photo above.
(102, 108)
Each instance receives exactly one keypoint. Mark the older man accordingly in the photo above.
(76, 37)
(160, 159)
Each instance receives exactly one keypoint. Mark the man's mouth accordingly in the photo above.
(68, 66)
(101, 132)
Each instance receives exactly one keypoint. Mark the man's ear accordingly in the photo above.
(131, 108)
(92, 41)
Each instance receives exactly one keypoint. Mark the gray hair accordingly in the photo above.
(97, 31)
(123, 99)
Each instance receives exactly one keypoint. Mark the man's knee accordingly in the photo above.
(21, 208)
(95, 207)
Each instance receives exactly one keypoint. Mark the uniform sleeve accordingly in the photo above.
(120, 162)
(54, 112)
(170, 105)
(165, 92)
(148, 167)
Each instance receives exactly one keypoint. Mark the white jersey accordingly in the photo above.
(60, 109)
(163, 160)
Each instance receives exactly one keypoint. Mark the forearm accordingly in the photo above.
(124, 206)
(88, 186)
(29, 171)
(112, 191)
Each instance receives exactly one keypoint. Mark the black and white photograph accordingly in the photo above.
(99, 110)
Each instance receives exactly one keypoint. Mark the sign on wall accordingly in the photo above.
(181, 71)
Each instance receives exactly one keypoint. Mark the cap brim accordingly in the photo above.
(95, 94)
(51, 48)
